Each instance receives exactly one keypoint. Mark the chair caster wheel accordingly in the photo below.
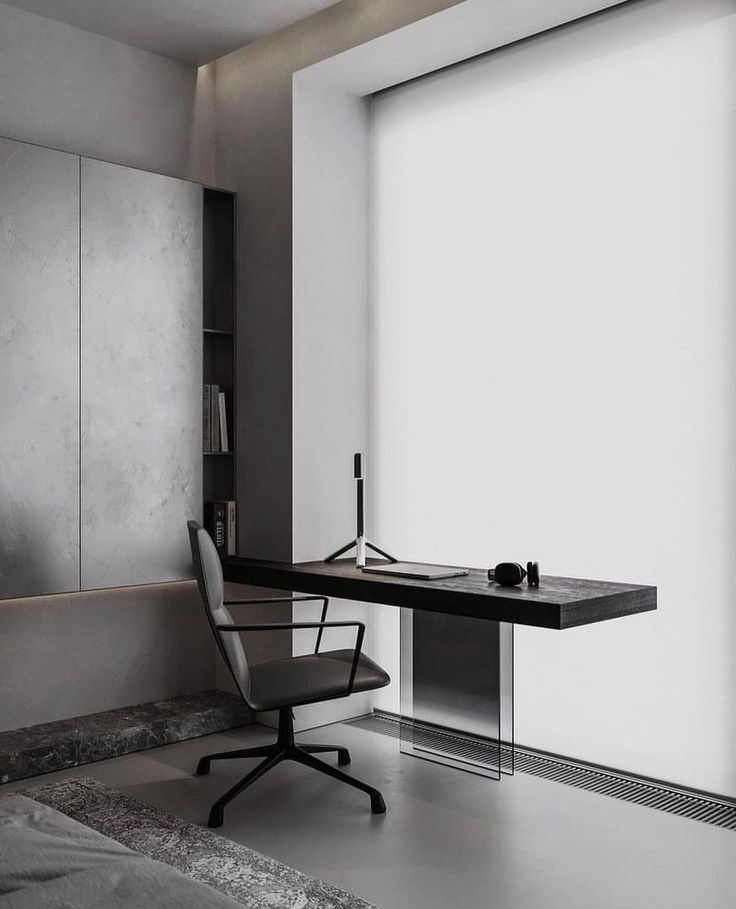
(216, 818)
(203, 767)
(378, 806)
(343, 757)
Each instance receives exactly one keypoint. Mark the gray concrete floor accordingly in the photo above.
(449, 839)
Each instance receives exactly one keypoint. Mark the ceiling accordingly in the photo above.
(195, 31)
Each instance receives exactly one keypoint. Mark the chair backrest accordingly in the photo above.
(208, 570)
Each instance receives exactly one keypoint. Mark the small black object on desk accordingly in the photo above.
(510, 574)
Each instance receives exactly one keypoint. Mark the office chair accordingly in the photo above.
(280, 684)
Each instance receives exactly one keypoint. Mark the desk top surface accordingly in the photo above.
(556, 603)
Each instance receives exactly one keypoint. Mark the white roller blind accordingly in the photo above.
(554, 367)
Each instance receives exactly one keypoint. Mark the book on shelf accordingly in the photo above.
(214, 420)
(220, 522)
(206, 431)
(222, 413)
(216, 525)
(231, 528)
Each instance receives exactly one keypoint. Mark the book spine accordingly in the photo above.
(223, 421)
(216, 525)
(206, 430)
(231, 528)
(209, 415)
(221, 527)
(214, 421)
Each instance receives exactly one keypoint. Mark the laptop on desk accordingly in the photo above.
(416, 570)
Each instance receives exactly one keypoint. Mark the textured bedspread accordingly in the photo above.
(49, 861)
(254, 880)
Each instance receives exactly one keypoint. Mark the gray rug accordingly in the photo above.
(256, 881)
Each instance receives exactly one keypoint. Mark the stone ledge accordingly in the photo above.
(34, 750)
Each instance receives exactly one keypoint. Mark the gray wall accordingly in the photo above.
(39, 370)
(72, 90)
(79, 92)
(78, 653)
(141, 374)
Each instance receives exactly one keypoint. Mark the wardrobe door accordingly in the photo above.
(39, 370)
(141, 374)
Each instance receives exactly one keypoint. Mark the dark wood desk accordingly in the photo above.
(557, 602)
(457, 679)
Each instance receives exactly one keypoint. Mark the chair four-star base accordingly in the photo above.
(284, 749)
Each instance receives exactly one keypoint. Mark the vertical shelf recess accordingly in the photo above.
(219, 338)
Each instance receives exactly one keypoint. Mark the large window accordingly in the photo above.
(554, 361)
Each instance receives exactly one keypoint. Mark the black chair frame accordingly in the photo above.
(286, 748)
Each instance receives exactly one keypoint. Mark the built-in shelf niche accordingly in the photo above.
(219, 333)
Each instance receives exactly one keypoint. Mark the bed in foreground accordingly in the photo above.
(78, 842)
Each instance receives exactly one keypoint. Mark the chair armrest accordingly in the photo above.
(297, 599)
(271, 600)
(284, 626)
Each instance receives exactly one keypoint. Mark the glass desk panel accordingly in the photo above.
(457, 691)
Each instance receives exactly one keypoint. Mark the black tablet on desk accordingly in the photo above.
(415, 570)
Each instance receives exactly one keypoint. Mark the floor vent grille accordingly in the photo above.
(629, 789)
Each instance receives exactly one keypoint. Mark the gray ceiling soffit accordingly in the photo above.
(193, 31)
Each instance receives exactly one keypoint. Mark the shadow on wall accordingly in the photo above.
(202, 132)
(38, 555)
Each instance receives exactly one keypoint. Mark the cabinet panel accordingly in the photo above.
(39, 370)
(141, 373)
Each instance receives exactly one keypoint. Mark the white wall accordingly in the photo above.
(69, 89)
(331, 266)
(331, 311)
(552, 363)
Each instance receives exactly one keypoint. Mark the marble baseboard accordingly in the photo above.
(34, 750)
(253, 879)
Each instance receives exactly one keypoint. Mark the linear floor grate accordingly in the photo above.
(630, 789)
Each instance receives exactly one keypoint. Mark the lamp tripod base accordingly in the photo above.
(360, 544)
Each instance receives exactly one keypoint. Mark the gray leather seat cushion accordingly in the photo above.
(304, 679)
